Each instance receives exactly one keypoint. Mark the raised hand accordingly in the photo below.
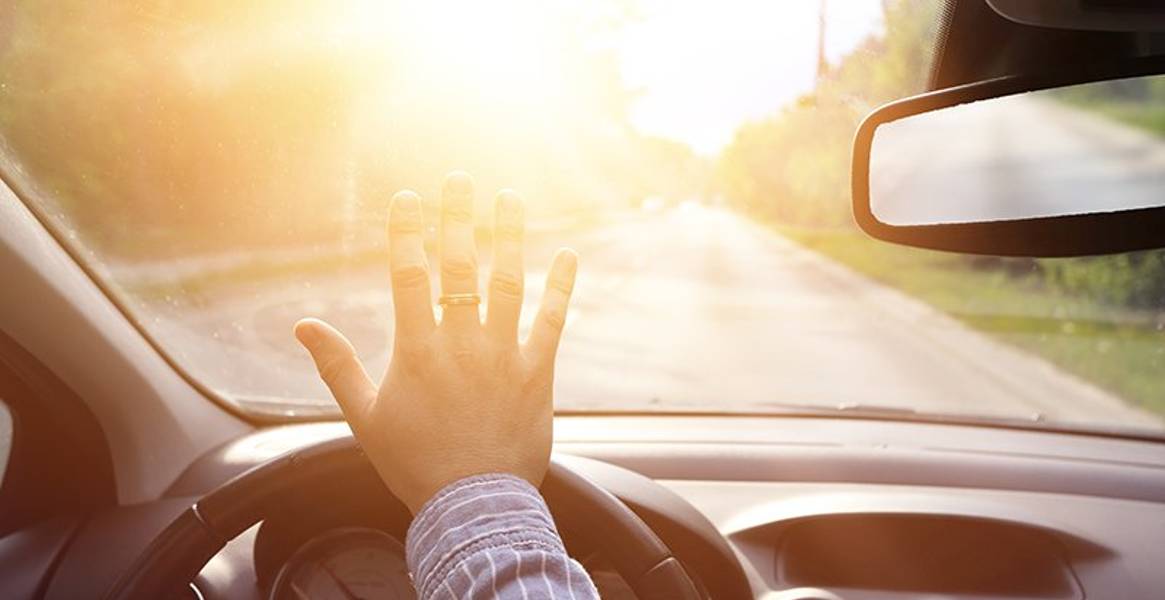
(459, 397)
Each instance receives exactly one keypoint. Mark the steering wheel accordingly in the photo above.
(181, 550)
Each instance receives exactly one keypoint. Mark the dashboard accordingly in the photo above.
(768, 508)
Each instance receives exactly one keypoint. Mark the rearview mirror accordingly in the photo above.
(1020, 166)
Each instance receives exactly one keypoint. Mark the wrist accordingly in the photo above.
(486, 511)
(423, 496)
(416, 492)
(470, 481)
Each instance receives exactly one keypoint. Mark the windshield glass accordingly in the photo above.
(223, 169)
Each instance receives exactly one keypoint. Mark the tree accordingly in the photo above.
(794, 166)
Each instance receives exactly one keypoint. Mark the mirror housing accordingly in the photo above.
(1096, 15)
(1051, 236)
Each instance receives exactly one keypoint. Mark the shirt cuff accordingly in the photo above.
(475, 514)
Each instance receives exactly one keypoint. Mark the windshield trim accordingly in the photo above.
(236, 407)
(829, 412)
(21, 190)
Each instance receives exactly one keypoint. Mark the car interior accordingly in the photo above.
(129, 472)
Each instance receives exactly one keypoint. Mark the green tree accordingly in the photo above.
(794, 167)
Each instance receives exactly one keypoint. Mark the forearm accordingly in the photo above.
(491, 536)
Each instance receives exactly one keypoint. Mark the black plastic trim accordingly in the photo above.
(60, 463)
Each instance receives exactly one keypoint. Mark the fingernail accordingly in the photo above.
(569, 259)
(306, 333)
(459, 182)
(510, 202)
(407, 201)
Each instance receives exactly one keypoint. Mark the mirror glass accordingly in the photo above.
(1092, 148)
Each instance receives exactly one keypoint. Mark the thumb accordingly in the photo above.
(338, 366)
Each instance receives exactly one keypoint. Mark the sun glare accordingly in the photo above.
(695, 70)
(578, 103)
(507, 54)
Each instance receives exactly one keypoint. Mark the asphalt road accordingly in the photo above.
(690, 307)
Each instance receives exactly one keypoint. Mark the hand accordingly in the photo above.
(461, 397)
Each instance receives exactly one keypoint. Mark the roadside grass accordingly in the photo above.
(1148, 117)
(1119, 350)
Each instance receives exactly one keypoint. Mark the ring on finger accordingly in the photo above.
(459, 300)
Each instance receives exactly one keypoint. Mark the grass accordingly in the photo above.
(1120, 350)
(1148, 117)
(1146, 113)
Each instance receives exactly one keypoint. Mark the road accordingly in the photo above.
(691, 307)
(1010, 158)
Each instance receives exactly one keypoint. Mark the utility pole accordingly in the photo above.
(822, 65)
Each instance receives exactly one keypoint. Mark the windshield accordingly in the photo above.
(223, 169)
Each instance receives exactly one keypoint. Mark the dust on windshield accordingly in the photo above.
(223, 168)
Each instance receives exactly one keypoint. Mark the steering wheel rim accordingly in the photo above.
(180, 551)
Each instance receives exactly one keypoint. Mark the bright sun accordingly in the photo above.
(694, 71)
(505, 53)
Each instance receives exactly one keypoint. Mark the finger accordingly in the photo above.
(458, 250)
(506, 279)
(411, 298)
(338, 366)
(543, 341)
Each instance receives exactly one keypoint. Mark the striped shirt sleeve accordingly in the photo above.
(491, 536)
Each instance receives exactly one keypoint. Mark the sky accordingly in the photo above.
(701, 68)
(704, 68)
